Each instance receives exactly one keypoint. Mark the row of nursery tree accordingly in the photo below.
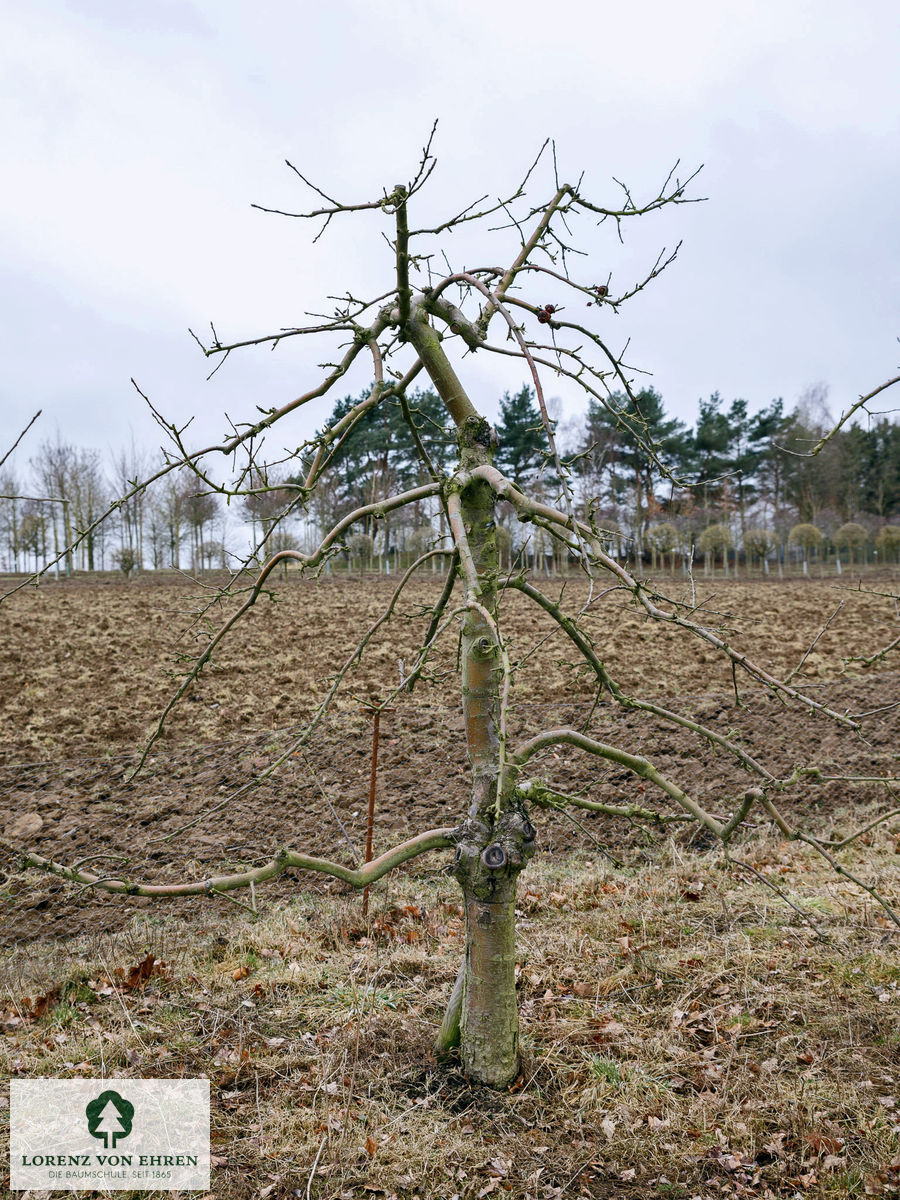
(735, 486)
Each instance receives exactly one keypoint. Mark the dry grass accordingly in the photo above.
(685, 1034)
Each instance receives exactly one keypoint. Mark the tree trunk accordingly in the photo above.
(490, 852)
(67, 533)
(489, 1018)
(497, 839)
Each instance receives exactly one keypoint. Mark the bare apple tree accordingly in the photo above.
(413, 331)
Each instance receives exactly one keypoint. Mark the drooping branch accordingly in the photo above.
(781, 894)
(535, 791)
(633, 762)
(380, 508)
(437, 613)
(643, 594)
(585, 647)
(724, 830)
(433, 839)
(825, 848)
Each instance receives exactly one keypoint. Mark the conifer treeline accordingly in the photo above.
(735, 483)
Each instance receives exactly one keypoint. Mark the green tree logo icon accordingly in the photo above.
(109, 1117)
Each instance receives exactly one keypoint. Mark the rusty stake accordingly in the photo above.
(374, 712)
(370, 820)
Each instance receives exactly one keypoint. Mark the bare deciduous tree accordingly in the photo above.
(416, 330)
(129, 467)
(55, 470)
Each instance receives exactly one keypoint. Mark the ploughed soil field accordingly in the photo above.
(87, 667)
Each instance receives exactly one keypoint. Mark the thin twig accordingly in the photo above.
(19, 438)
(809, 649)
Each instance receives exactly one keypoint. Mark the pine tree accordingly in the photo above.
(523, 445)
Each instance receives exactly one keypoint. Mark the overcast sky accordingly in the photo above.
(135, 137)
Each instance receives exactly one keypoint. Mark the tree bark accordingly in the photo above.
(497, 839)
(489, 1018)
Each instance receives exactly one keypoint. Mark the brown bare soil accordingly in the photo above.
(687, 1031)
(86, 668)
